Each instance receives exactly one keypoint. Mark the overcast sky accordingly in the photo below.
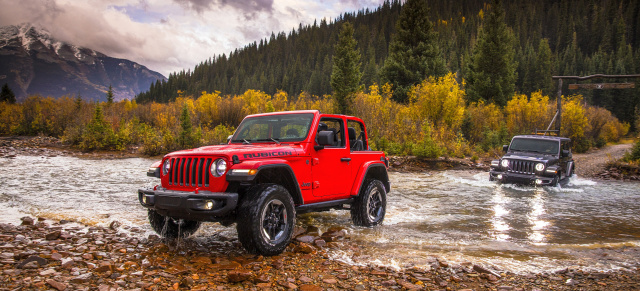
(170, 35)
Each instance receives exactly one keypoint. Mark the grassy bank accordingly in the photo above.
(436, 122)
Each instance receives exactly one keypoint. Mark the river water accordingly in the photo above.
(458, 216)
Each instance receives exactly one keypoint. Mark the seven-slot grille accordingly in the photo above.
(190, 171)
(522, 167)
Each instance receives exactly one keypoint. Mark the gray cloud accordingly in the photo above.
(176, 39)
(245, 6)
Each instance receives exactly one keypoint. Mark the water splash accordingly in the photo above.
(458, 216)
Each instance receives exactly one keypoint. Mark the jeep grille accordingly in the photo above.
(190, 171)
(522, 167)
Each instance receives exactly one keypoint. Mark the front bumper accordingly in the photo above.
(522, 179)
(204, 206)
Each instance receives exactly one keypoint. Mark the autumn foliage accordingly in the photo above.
(435, 122)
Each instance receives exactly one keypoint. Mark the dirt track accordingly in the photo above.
(594, 161)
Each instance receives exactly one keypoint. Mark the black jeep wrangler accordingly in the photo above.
(534, 160)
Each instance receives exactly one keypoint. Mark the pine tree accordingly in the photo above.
(7, 94)
(414, 54)
(346, 75)
(543, 69)
(110, 95)
(492, 74)
(78, 102)
(186, 128)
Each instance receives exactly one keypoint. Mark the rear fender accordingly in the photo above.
(371, 170)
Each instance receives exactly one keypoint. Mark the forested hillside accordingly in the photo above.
(577, 37)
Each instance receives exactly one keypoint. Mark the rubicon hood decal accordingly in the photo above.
(277, 153)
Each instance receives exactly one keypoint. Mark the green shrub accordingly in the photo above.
(634, 154)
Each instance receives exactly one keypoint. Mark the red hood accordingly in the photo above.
(243, 152)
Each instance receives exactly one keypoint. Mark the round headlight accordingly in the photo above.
(504, 163)
(219, 168)
(166, 167)
(539, 167)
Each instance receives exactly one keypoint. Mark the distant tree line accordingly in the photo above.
(539, 39)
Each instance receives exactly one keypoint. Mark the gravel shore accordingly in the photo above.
(42, 254)
(59, 255)
(594, 162)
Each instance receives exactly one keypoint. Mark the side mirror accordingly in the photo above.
(229, 138)
(566, 153)
(325, 138)
(505, 148)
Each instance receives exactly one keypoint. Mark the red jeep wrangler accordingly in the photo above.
(274, 166)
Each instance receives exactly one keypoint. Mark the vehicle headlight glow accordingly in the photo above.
(219, 168)
(539, 167)
(504, 163)
(166, 167)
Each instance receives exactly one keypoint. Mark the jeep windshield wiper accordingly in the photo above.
(244, 141)
(269, 139)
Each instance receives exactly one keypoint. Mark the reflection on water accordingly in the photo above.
(456, 215)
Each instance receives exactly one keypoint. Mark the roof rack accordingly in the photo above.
(544, 132)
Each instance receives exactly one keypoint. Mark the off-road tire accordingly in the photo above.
(168, 227)
(556, 180)
(370, 206)
(266, 217)
(572, 170)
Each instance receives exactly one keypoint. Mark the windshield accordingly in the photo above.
(551, 147)
(274, 128)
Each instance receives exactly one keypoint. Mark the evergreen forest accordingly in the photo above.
(550, 37)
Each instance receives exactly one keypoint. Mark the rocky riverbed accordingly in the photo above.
(47, 254)
(41, 254)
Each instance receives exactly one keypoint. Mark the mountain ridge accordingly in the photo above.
(33, 62)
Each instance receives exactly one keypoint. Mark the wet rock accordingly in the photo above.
(288, 285)
(263, 278)
(330, 281)
(297, 231)
(481, 269)
(56, 256)
(54, 235)
(57, 285)
(306, 238)
(303, 248)
(320, 243)
(263, 285)
(187, 282)
(408, 285)
(308, 287)
(389, 283)
(313, 231)
(236, 276)
(27, 220)
(84, 278)
(32, 262)
(229, 265)
(333, 235)
(441, 282)
(114, 225)
(104, 267)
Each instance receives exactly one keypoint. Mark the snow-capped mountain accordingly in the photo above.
(32, 62)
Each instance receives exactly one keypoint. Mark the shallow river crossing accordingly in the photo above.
(456, 215)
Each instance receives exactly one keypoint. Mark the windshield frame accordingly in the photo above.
(302, 122)
(536, 145)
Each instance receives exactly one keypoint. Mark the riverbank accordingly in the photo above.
(596, 163)
(42, 254)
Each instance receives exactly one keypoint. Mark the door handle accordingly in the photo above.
(345, 159)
